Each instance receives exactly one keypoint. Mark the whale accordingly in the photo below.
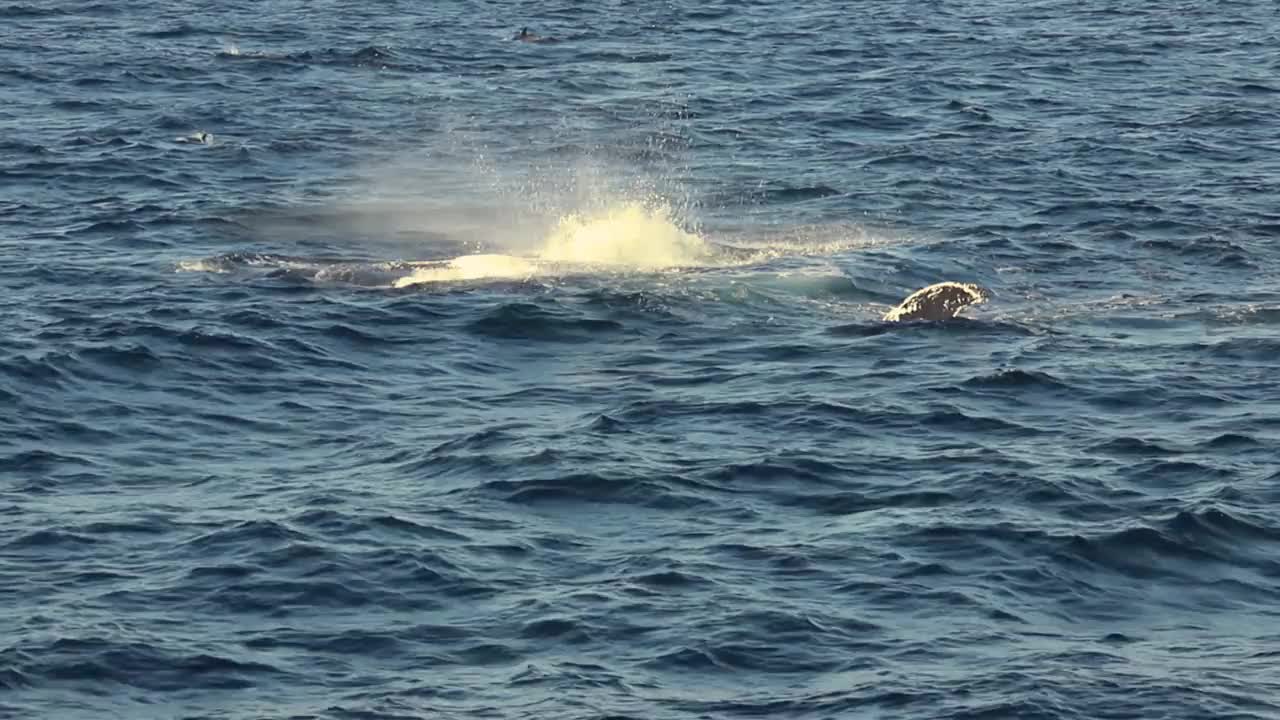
(937, 302)
(940, 301)
(525, 36)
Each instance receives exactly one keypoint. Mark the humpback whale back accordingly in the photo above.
(938, 302)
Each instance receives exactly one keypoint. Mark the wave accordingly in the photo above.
(368, 57)
(530, 322)
(589, 487)
(142, 665)
(30, 11)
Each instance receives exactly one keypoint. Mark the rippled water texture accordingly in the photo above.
(358, 361)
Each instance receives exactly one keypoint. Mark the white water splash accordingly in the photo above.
(629, 236)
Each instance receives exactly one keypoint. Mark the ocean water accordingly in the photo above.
(358, 361)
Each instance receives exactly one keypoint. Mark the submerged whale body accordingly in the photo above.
(941, 301)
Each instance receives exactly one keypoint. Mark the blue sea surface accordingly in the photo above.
(358, 360)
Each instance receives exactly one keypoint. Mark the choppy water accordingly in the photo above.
(264, 453)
